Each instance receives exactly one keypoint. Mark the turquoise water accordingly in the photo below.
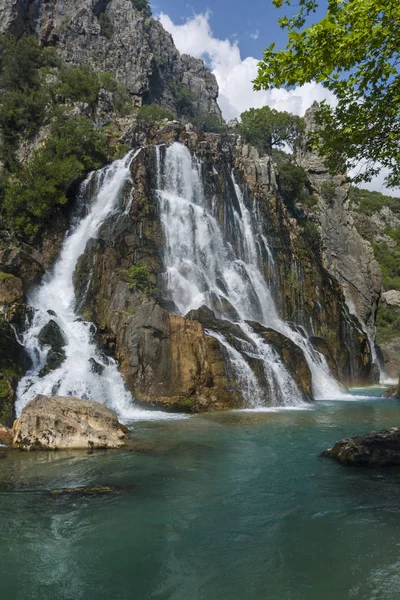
(231, 506)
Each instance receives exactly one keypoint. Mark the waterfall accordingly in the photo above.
(85, 371)
(205, 266)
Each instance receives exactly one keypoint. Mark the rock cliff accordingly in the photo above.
(167, 358)
(112, 36)
(348, 256)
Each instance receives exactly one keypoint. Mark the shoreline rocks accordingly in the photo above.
(375, 449)
(67, 423)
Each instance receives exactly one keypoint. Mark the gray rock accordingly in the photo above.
(348, 256)
(139, 52)
(391, 298)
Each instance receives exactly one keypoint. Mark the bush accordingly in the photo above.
(138, 278)
(79, 84)
(292, 182)
(367, 202)
(121, 98)
(152, 113)
(209, 123)
(142, 6)
(30, 194)
(106, 26)
(389, 261)
(388, 323)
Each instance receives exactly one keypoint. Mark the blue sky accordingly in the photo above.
(253, 23)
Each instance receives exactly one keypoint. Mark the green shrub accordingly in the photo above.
(292, 181)
(121, 98)
(328, 189)
(34, 190)
(142, 6)
(184, 100)
(367, 202)
(388, 323)
(153, 113)
(209, 123)
(106, 25)
(389, 261)
(138, 278)
(79, 84)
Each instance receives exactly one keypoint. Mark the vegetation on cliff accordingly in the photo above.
(42, 97)
(352, 51)
(267, 128)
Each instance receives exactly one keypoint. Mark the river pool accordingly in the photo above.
(228, 506)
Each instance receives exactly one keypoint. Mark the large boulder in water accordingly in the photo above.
(64, 422)
(376, 449)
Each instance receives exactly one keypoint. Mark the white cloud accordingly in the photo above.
(234, 74)
(255, 35)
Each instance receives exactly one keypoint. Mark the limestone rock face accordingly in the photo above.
(348, 256)
(136, 49)
(376, 449)
(64, 422)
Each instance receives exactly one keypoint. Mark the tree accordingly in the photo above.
(353, 51)
(266, 127)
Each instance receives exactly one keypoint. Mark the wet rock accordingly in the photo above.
(322, 346)
(65, 422)
(21, 264)
(291, 355)
(51, 335)
(96, 367)
(376, 449)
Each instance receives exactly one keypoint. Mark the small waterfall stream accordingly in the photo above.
(202, 267)
(85, 372)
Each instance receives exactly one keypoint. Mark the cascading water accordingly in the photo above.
(204, 267)
(85, 372)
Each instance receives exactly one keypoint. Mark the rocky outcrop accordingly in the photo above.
(393, 392)
(348, 257)
(133, 47)
(391, 298)
(376, 449)
(64, 422)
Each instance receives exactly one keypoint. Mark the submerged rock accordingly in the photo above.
(376, 449)
(65, 422)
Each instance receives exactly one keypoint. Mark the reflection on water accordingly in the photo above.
(236, 505)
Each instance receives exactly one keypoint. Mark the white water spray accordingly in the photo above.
(55, 300)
